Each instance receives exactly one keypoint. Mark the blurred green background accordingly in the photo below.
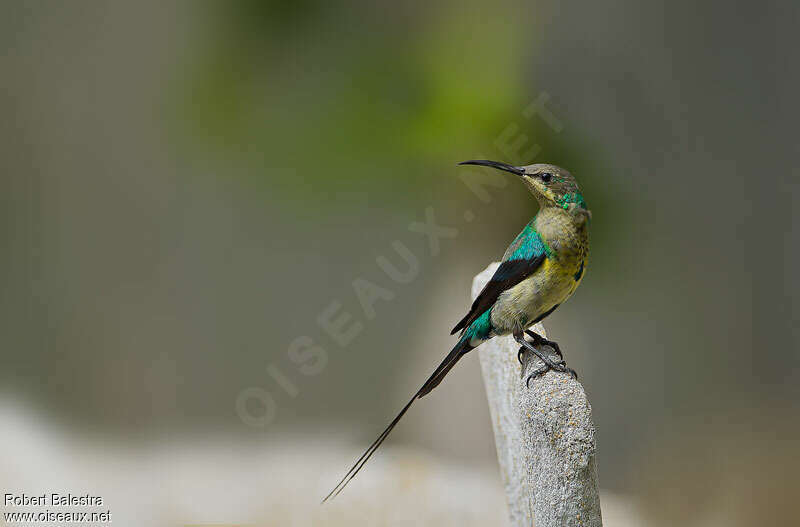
(187, 185)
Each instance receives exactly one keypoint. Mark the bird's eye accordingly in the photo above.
(546, 176)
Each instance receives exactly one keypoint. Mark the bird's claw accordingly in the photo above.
(548, 359)
(548, 363)
(538, 372)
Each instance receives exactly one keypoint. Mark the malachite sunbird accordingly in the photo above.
(540, 270)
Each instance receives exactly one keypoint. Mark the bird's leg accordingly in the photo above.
(538, 340)
(520, 338)
(549, 364)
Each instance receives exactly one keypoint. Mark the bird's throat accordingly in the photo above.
(562, 230)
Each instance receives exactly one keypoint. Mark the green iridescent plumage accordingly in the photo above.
(527, 245)
(567, 199)
(541, 268)
(480, 329)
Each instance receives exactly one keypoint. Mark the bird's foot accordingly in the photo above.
(539, 340)
(549, 363)
(557, 366)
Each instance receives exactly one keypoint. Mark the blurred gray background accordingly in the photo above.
(187, 186)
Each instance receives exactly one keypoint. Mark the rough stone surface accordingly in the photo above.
(544, 436)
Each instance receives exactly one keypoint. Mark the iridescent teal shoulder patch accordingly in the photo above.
(529, 245)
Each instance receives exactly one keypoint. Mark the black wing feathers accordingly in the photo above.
(509, 274)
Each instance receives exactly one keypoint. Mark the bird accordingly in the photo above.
(541, 268)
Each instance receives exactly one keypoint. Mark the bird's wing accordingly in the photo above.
(525, 254)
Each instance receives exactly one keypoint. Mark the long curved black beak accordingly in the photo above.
(495, 164)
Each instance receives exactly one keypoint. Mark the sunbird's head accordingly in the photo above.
(552, 185)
